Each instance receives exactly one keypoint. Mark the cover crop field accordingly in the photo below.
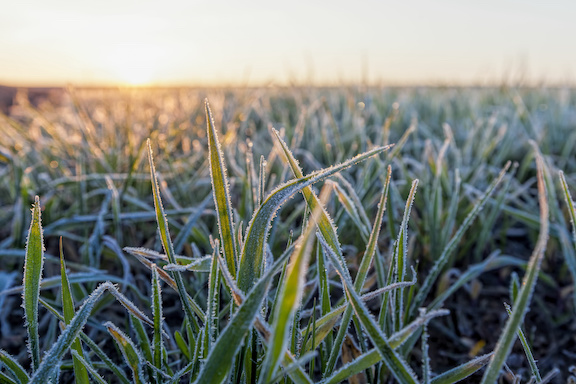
(290, 235)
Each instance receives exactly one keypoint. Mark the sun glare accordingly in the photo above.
(134, 64)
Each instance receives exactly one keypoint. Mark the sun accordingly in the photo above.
(134, 64)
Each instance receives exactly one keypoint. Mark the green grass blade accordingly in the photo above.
(463, 371)
(289, 300)
(451, 246)
(569, 203)
(13, 366)
(220, 190)
(32, 276)
(213, 300)
(80, 372)
(54, 355)
(399, 368)
(132, 356)
(527, 349)
(165, 237)
(158, 319)
(401, 258)
(259, 227)
(507, 337)
(95, 376)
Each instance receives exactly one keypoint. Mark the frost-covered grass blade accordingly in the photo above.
(221, 193)
(522, 303)
(33, 264)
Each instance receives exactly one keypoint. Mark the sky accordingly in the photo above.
(252, 42)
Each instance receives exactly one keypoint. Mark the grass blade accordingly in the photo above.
(80, 372)
(158, 319)
(132, 356)
(569, 203)
(507, 337)
(33, 265)
(77, 357)
(220, 190)
(527, 350)
(166, 241)
(463, 371)
(14, 367)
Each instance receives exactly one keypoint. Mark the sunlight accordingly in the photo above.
(134, 64)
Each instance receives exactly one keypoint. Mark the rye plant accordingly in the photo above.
(260, 285)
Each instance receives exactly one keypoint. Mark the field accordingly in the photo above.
(278, 236)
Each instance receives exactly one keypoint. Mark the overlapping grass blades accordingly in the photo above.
(52, 358)
(288, 301)
(441, 262)
(33, 264)
(80, 372)
(166, 240)
(219, 362)
(257, 232)
(522, 302)
(397, 365)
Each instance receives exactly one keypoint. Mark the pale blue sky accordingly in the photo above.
(258, 42)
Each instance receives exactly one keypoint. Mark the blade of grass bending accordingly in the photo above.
(33, 264)
(462, 371)
(259, 227)
(212, 300)
(569, 203)
(221, 193)
(137, 252)
(80, 372)
(325, 324)
(289, 300)
(402, 258)
(157, 314)
(451, 246)
(220, 359)
(13, 366)
(131, 355)
(54, 355)
(166, 241)
(351, 209)
(527, 350)
(92, 345)
(362, 272)
(507, 337)
(77, 357)
(399, 368)
(325, 224)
